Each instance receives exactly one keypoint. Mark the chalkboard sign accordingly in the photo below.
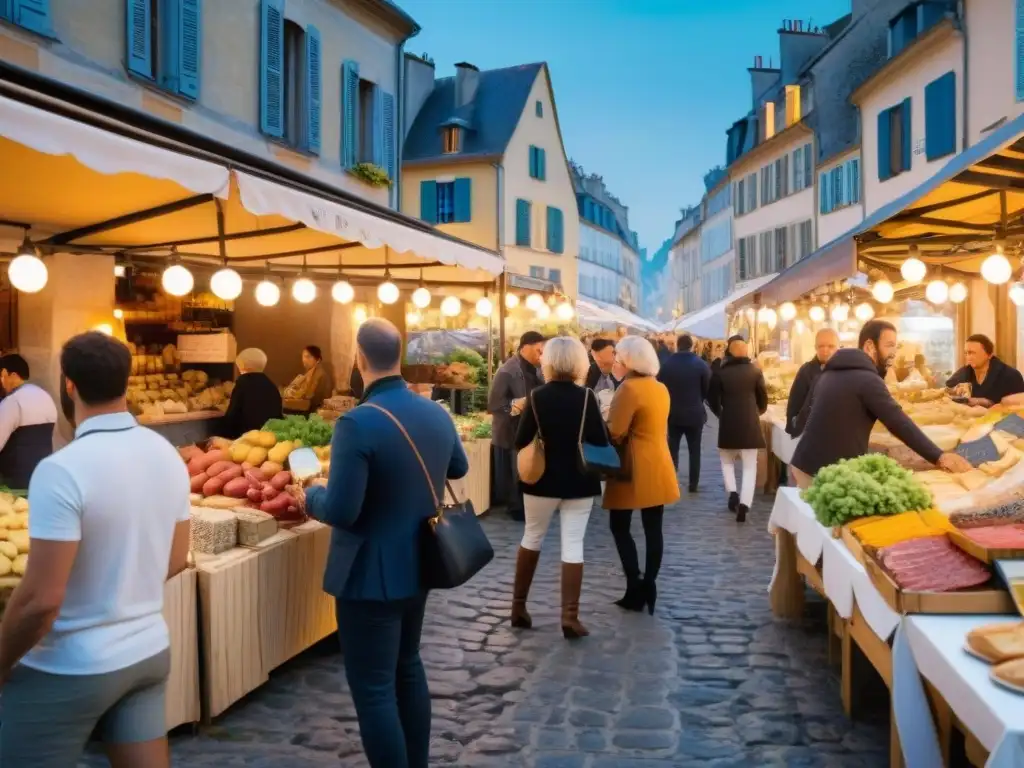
(1013, 424)
(977, 452)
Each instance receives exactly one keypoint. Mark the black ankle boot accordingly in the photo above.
(635, 597)
(741, 513)
(734, 501)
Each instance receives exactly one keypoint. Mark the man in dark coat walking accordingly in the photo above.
(687, 378)
(738, 396)
(826, 342)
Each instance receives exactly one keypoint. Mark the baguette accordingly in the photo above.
(998, 642)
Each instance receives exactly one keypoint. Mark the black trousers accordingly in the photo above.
(692, 435)
(506, 478)
(620, 520)
(380, 641)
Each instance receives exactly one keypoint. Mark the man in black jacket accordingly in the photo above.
(825, 345)
(847, 399)
(602, 359)
(687, 378)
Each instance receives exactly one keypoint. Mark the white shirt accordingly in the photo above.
(25, 406)
(118, 489)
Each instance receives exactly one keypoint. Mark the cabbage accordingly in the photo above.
(867, 485)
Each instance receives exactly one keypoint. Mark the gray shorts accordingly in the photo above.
(46, 720)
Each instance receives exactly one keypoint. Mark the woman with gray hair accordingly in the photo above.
(638, 422)
(254, 400)
(560, 413)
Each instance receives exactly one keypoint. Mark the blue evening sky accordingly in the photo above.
(645, 89)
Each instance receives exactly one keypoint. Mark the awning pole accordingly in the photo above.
(502, 310)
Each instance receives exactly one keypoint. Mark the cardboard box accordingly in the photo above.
(980, 600)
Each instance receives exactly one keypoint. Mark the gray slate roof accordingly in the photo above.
(492, 118)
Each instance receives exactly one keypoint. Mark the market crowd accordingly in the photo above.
(84, 648)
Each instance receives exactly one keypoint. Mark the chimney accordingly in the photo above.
(467, 80)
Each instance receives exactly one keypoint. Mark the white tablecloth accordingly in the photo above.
(933, 646)
(845, 580)
(782, 444)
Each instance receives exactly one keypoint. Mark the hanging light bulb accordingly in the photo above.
(565, 311)
(840, 312)
(387, 291)
(787, 311)
(1017, 293)
(511, 301)
(484, 307)
(544, 312)
(177, 280)
(421, 297)
(359, 315)
(28, 273)
(226, 284)
(534, 302)
(105, 328)
(883, 291)
(957, 292)
(413, 318)
(767, 316)
(937, 291)
(816, 314)
(864, 312)
(119, 314)
(913, 269)
(304, 290)
(996, 269)
(451, 306)
(343, 292)
(267, 293)
(751, 314)
(120, 270)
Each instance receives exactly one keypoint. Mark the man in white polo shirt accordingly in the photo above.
(83, 641)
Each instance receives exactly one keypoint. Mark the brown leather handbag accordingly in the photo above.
(530, 460)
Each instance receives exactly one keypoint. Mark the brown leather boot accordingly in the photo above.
(526, 566)
(572, 583)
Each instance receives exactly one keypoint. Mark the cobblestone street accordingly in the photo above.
(711, 679)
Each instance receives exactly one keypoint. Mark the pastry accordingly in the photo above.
(1010, 674)
(998, 642)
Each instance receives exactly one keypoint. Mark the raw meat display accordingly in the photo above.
(933, 564)
(1004, 514)
(998, 536)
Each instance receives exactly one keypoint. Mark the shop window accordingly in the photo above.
(163, 41)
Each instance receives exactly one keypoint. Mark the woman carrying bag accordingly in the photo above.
(560, 419)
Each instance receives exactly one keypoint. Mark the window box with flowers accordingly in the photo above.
(371, 174)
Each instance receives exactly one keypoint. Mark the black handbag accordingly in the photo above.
(600, 460)
(453, 544)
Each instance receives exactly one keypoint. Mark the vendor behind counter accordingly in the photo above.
(990, 378)
(27, 418)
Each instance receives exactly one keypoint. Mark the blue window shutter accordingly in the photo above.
(378, 126)
(168, 45)
(523, 222)
(189, 46)
(539, 109)
(940, 117)
(542, 164)
(388, 102)
(314, 97)
(139, 40)
(5, 10)
(1019, 50)
(885, 169)
(463, 200)
(823, 193)
(855, 174)
(350, 114)
(550, 234)
(906, 148)
(33, 15)
(554, 234)
(533, 162)
(839, 191)
(271, 67)
(428, 201)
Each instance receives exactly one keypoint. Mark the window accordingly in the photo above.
(294, 83)
(367, 122)
(446, 202)
(452, 139)
(766, 185)
(33, 15)
(554, 275)
(767, 249)
(806, 239)
(555, 239)
(741, 197)
(940, 117)
(538, 164)
(839, 186)
(523, 223)
(746, 261)
(538, 108)
(780, 249)
(894, 140)
(798, 169)
(752, 192)
(163, 39)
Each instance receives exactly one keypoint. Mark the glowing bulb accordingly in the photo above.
(511, 301)
(750, 314)
(996, 269)
(883, 291)
(421, 297)
(787, 311)
(342, 292)
(534, 302)
(1017, 294)
(303, 290)
(864, 312)
(799, 326)
(267, 294)
(177, 280)
(106, 328)
(118, 314)
(544, 312)
(937, 292)
(359, 315)
(119, 270)
(451, 306)
(913, 270)
(816, 313)
(840, 313)
(565, 311)
(387, 292)
(412, 318)
(957, 292)
(226, 284)
(27, 273)
(484, 307)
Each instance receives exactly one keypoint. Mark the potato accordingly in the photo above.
(236, 488)
(8, 550)
(214, 486)
(5, 565)
(256, 456)
(239, 451)
(6, 507)
(19, 539)
(198, 481)
(270, 468)
(219, 467)
(266, 439)
(252, 437)
(279, 453)
(220, 442)
(19, 564)
(281, 480)
(9, 582)
(18, 521)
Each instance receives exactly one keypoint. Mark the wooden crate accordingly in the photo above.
(181, 614)
(476, 486)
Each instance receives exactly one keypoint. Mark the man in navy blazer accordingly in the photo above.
(687, 378)
(376, 500)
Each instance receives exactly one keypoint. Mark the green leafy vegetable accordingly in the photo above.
(867, 485)
(313, 431)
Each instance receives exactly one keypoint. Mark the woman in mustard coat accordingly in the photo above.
(638, 421)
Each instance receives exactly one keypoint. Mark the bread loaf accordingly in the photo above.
(997, 642)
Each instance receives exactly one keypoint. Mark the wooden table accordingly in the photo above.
(476, 486)
(181, 614)
(259, 608)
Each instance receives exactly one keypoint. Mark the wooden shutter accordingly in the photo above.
(388, 138)
(837, 187)
(823, 198)
(542, 164)
(523, 222)
(885, 169)
(554, 233)
(139, 40)
(189, 48)
(1019, 49)
(463, 200)
(378, 126)
(855, 180)
(533, 162)
(271, 67)
(314, 80)
(33, 15)
(428, 201)
(940, 117)
(808, 164)
(906, 148)
(350, 114)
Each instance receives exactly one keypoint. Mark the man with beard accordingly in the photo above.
(847, 399)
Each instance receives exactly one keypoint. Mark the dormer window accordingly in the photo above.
(452, 139)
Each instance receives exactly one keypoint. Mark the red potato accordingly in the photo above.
(269, 492)
(208, 459)
(189, 452)
(271, 468)
(214, 486)
(198, 481)
(196, 465)
(281, 480)
(246, 466)
(237, 488)
(254, 495)
(256, 477)
(215, 469)
(278, 505)
(232, 472)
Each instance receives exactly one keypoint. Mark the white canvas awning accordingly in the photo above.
(712, 322)
(620, 316)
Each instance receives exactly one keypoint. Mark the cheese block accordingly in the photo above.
(212, 531)
(254, 526)
(997, 642)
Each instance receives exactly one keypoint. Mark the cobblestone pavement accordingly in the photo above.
(711, 679)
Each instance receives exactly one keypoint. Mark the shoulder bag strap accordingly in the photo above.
(419, 457)
(536, 416)
(583, 421)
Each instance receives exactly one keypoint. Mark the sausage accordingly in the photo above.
(281, 480)
(230, 473)
(237, 488)
(217, 467)
(207, 460)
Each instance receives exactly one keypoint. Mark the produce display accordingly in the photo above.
(474, 426)
(880, 532)
(311, 431)
(932, 564)
(14, 544)
(154, 395)
(862, 487)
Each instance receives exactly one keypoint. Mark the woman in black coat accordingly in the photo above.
(254, 400)
(738, 396)
(563, 411)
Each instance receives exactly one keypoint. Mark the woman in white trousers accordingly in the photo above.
(559, 414)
